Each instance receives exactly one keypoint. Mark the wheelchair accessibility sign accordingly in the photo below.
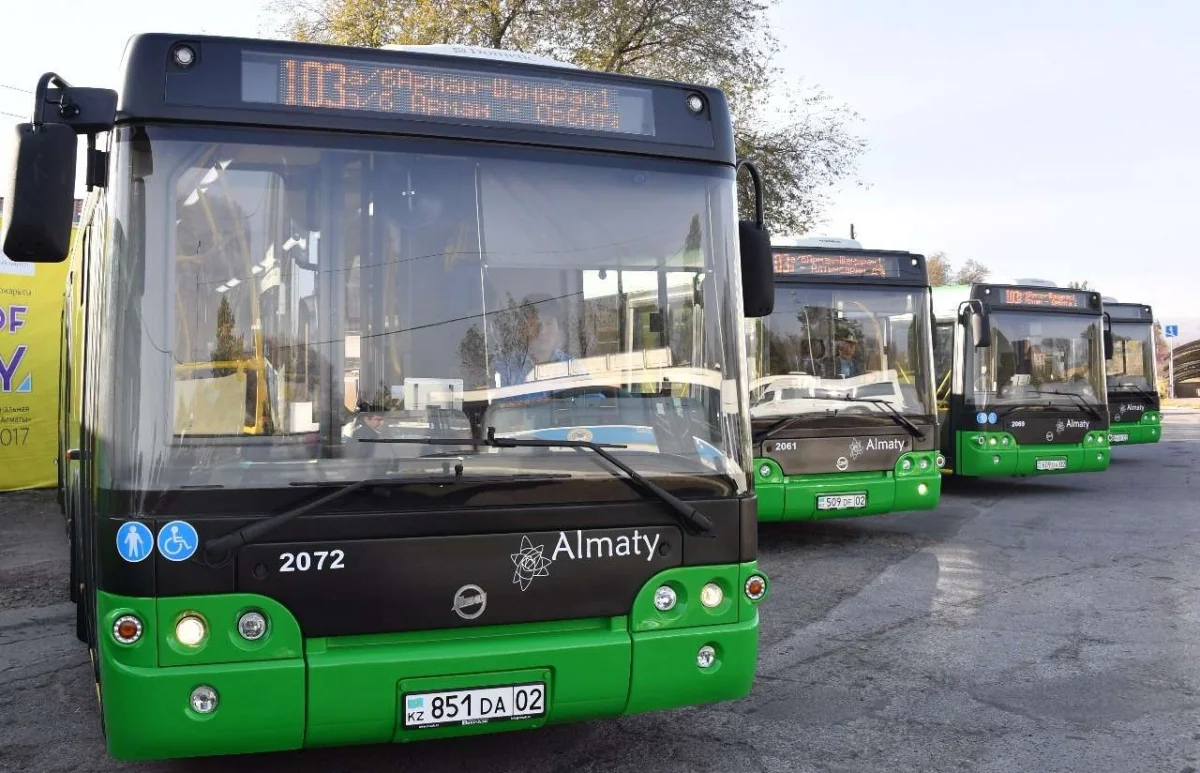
(177, 541)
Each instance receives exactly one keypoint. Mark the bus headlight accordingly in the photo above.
(711, 595)
(664, 598)
(706, 656)
(252, 625)
(906, 465)
(204, 700)
(190, 630)
(924, 463)
(765, 471)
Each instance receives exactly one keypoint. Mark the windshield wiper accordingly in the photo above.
(776, 427)
(688, 515)
(1147, 396)
(1078, 398)
(234, 541)
(896, 416)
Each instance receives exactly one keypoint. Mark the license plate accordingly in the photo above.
(841, 501)
(1119, 437)
(474, 707)
(1052, 464)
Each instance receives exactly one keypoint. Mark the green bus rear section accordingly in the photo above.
(1130, 433)
(997, 454)
(794, 497)
(288, 692)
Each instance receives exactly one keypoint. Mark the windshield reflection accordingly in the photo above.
(1132, 366)
(327, 294)
(826, 346)
(1040, 359)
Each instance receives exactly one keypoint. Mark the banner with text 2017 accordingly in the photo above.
(31, 297)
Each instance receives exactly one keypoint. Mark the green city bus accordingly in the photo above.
(1020, 372)
(364, 438)
(841, 391)
(1133, 401)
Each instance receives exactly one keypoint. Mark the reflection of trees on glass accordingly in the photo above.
(230, 347)
(511, 333)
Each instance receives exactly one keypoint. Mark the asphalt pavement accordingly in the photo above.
(1027, 627)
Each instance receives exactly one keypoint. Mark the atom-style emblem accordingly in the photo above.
(856, 448)
(1060, 427)
(529, 563)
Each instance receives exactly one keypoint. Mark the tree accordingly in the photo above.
(939, 269)
(1078, 285)
(972, 271)
(798, 137)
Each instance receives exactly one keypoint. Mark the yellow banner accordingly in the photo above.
(31, 297)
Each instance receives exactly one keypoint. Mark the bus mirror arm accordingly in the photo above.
(754, 245)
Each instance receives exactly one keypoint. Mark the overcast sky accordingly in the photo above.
(1047, 139)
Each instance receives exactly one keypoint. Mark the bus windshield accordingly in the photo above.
(283, 298)
(826, 346)
(1132, 363)
(1039, 359)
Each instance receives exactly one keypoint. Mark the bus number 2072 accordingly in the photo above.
(318, 560)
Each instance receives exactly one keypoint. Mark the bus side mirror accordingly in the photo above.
(1108, 337)
(754, 245)
(981, 327)
(40, 194)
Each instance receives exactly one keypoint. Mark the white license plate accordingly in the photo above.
(1119, 437)
(474, 707)
(841, 501)
(1052, 464)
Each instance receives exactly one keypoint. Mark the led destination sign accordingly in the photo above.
(1053, 298)
(837, 264)
(322, 83)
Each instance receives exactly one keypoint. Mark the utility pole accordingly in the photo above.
(852, 230)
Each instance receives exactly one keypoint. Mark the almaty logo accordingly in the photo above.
(856, 448)
(529, 562)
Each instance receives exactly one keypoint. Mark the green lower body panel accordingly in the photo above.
(1148, 430)
(290, 692)
(796, 497)
(1003, 459)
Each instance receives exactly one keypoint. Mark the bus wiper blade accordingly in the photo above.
(219, 547)
(688, 515)
(1147, 396)
(896, 416)
(776, 427)
(1095, 414)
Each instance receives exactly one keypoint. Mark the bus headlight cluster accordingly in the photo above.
(665, 598)
(190, 630)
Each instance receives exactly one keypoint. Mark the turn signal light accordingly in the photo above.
(127, 629)
(755, 587)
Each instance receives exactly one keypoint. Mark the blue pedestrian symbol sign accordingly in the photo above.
(993, 418)
(134, 541)
(981, 417)
(177, 541)
(1171, 331)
